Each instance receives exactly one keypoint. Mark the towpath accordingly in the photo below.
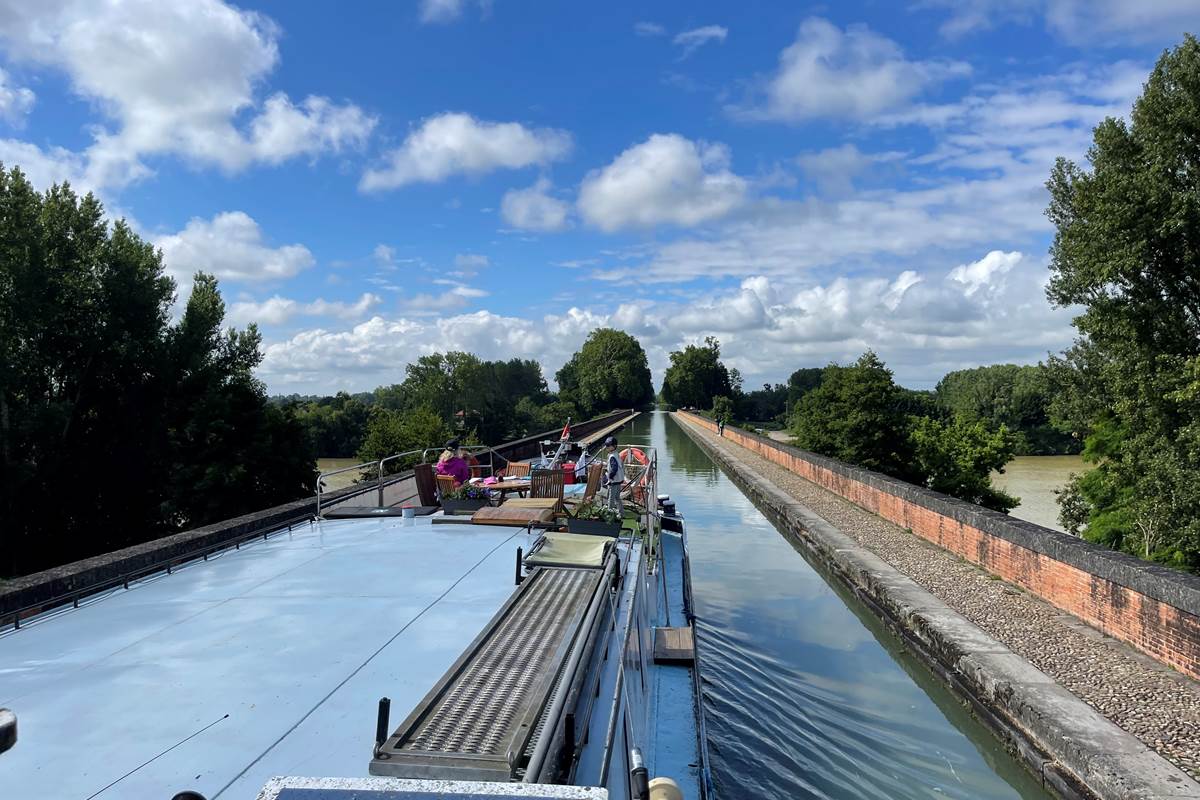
(1157, 705)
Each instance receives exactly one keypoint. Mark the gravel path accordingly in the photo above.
(1159, 706)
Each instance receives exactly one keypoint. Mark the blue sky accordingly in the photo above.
(803, 181)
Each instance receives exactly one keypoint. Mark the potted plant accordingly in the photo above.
(594, 518)
(466, 499)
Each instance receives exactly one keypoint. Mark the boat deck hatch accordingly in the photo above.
(479, 719)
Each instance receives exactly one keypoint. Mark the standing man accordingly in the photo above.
(721, 427)
(614, 475)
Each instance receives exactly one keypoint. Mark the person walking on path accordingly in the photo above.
(614, 475)
(721, 427)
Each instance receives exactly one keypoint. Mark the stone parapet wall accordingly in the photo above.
(1153, 608)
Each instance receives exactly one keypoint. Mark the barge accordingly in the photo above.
(378, 653)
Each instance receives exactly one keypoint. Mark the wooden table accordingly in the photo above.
(504, 487)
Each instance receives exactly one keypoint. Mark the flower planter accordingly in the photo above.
(594, 527)
(462, 506)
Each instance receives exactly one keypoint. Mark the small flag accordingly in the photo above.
(566, 434)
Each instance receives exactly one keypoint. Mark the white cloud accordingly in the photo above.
(694, 39)
(852, 74)
(277, 310)
(45, 167)
(458, 296)
(174, 78)
(835, 168)
(231, 247)
(533, 208)
(648, 29)
(923, 323)
(470, 263)
(441, 10)
(986, 271)
(666, 179)
(1082, 22)
(453, 143)
(15, 101)
(385, 256)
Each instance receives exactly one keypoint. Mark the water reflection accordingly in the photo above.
(807, 694)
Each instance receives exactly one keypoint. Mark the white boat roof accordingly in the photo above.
(263, 661)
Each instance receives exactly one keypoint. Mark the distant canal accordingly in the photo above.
(807, 695)
(1034, 479)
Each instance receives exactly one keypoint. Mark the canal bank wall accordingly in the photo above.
(69, 583)
(1075, 750)
(1153, 608)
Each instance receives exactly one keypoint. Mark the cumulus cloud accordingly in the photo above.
(666, 179)
(277, 310)
(834, 169)
(441, 10)
(923, 323)
(15, 101)
(1081, 22)
(986, 271)
(692, 40)
(470, 263)
(232, 247)
(851, 74)
(534, 208)
(456, 143)
(175, 78)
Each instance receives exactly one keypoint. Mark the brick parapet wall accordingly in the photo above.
(1153, 608)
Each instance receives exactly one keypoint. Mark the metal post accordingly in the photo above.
(379, 469)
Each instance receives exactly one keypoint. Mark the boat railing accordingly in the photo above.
(362, 468)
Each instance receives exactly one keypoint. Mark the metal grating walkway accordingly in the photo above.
(482, 713)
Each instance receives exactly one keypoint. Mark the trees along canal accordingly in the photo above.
(695, 376)
(117, 426)
(1127, 250)
(859, 415)
(609, 371)
(494, 401)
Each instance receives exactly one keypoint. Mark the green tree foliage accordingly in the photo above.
(855, 416)
(859, 415)
(722, 409)
(768, 404)
(335, 425)
(695, 376)
(1017, 397)
(113, 420)
(468, 392)
(1126, 249)
(391, 432)
(957, 457)
(800, 383)
(609, 371)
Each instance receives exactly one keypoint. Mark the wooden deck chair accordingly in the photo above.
(445, 485)
(426, 484)
(517, 469)
(547, 483)
(594, 473)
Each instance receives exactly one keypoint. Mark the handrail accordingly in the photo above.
(323, 475)
(379, 473)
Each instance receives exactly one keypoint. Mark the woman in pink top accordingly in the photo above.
(452, 462)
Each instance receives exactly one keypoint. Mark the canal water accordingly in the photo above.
(807, 695)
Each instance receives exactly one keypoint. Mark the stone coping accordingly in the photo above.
(1175, 588)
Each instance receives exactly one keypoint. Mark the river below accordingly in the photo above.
(1034, 479)
(806, 693)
